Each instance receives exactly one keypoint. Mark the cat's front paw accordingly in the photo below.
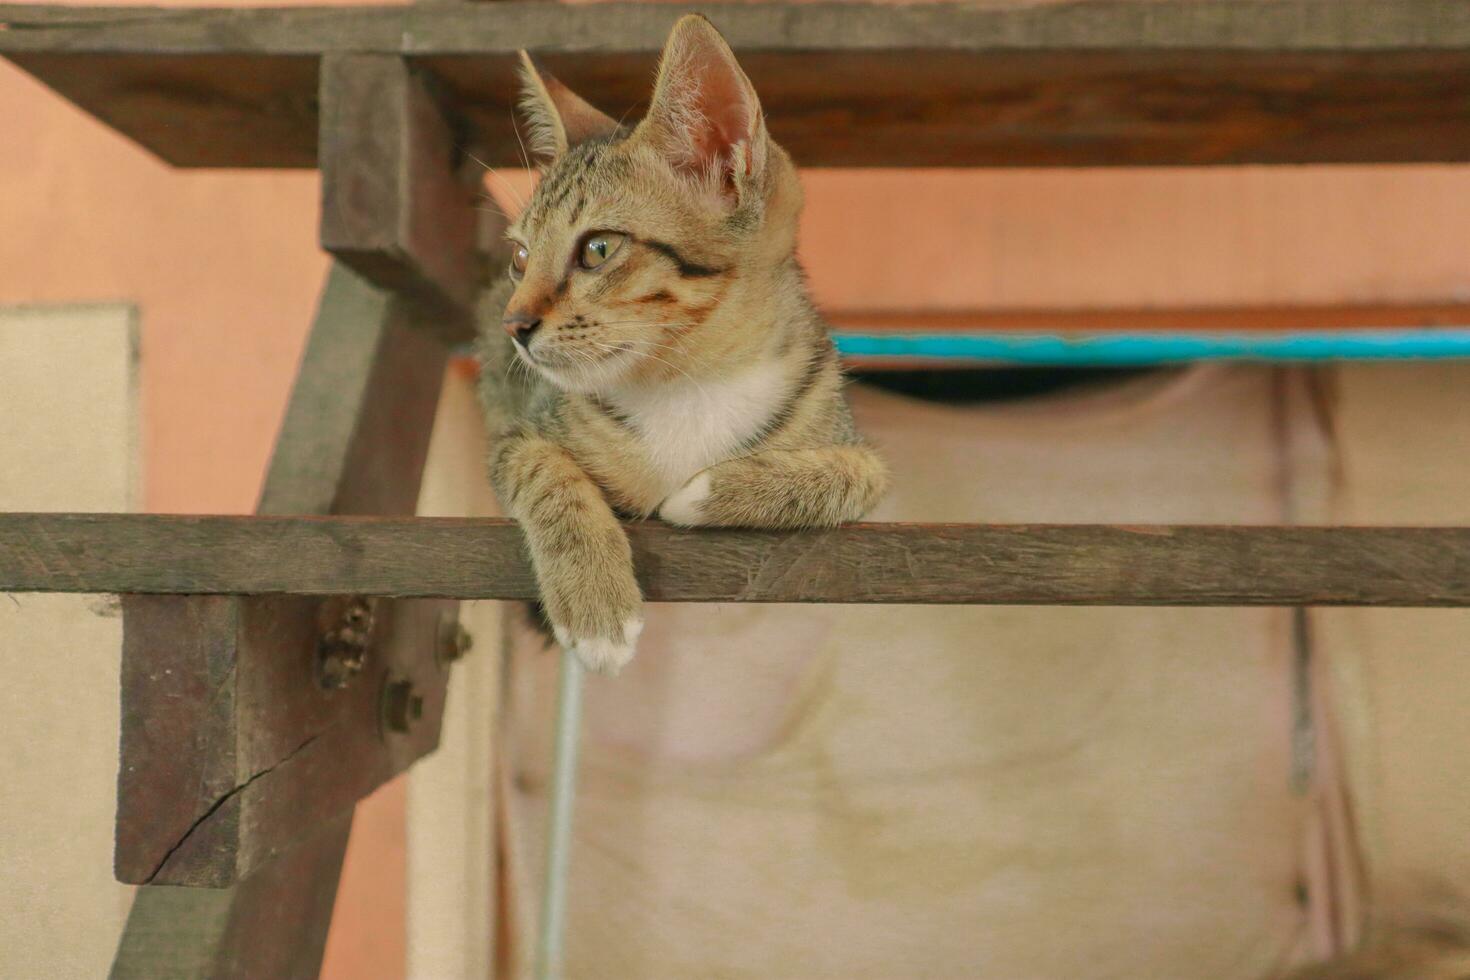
(602, 654)
(686, 505)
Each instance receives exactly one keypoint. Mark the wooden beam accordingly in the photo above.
(270, 752)
(399, 189)
(234, 753)
(864, 563)
(239, 768)
(1109, 82)
(1182, 319)
(272, 925)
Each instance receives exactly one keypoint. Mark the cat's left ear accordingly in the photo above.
(558, 117)
(705, 118)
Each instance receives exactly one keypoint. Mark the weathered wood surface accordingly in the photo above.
(274, 924)
(238, 770)
(1108, 82)
(865, 563)
(399, 190)
(1163, 319)
(356, 430)
(231, 750)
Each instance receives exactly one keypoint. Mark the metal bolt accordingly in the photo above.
(343, 649)
(454, 641)
(402, 706)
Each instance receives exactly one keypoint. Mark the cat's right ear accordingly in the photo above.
(705, 118)
(557, 117)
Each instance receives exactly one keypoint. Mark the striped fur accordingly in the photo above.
(687, 376)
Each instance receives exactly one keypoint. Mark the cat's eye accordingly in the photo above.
(599, 247)
(518, 259)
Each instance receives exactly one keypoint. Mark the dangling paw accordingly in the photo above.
(686, 505)
(602, 654)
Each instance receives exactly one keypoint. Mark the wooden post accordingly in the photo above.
(399, 185)
(235, 756)
(251, 726)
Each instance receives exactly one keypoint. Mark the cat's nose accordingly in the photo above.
(521, 328)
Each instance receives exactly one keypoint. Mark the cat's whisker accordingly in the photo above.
(487, 198)
(509, 187)
(648, 323)
(657, 360)
(517, 360)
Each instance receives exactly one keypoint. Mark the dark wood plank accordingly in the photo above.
(181, 762)
(356, 430)
(271, 753)
(866, 563)
(274, 924)
(239, 770)
(1183, 319)
(399, 190)
(1108, 82)
(232, 752)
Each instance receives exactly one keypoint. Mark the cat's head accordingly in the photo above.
(642, 253)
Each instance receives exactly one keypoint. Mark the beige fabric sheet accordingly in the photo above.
(822, 791)
(68, 397)
(1401, 677)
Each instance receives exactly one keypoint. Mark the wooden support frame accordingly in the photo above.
(240, 765)
(1102, 83)
(251, 726)
(247, 782)
(278, 753)
(862, 563)
(274, 924)
(399, 185)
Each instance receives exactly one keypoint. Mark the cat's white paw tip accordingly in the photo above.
(603, 655)
(683, 506)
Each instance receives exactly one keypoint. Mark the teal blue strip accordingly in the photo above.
(1142, 349)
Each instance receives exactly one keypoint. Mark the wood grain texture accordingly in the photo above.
(272, 925)
(231, 750)
(238, 771)
(1110, 82)
(232, 753)
(864, 563)
(1164, 319)
(399, 193)
(356, 427)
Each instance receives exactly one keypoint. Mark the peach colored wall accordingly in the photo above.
(225, 269)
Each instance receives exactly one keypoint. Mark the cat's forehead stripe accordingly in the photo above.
(573, 174)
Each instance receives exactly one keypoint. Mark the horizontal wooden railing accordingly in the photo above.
(863, 563)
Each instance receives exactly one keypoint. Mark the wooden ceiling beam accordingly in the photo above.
(1104, 83)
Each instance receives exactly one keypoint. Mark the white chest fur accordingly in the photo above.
(685, 427)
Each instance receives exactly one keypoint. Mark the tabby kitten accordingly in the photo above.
(659, 352)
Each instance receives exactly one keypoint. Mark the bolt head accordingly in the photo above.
(454, 641)
(402, 706)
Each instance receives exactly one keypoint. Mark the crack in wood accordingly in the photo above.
(217, 804)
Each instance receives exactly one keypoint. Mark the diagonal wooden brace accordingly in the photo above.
(251, 726)
(233, 748)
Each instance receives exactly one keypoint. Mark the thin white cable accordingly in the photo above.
(551, 942)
